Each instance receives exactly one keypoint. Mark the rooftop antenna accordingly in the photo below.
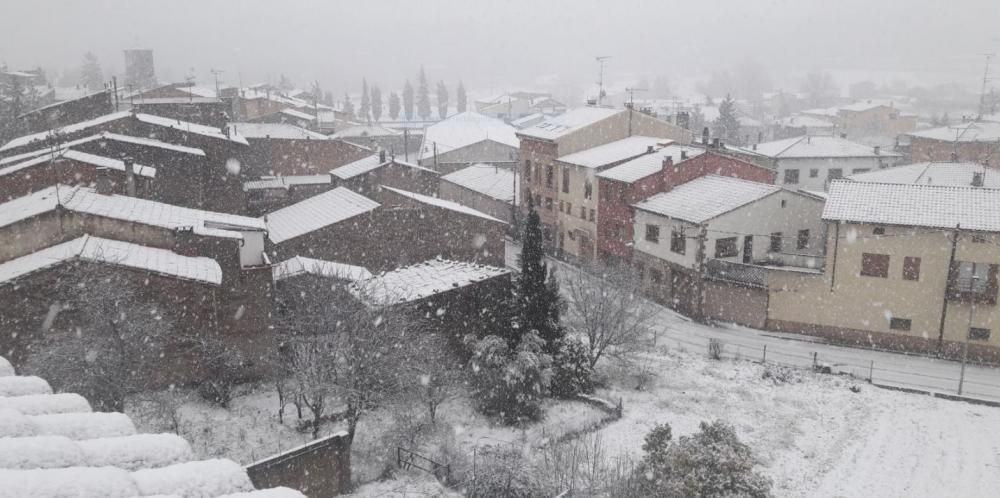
(631, 105)
(601, 60)
(216, 73)
(982, 92)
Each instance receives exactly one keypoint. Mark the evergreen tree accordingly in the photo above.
(423, 96)
(366, 103)
(442, 93)
(348, 105)
(285, 84)
(376, 103)
(394, 106)
(408, 100)
(727, 125)
(537, 299)
(460, 97)
(91, 76)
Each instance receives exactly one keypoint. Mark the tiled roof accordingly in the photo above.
(981, 131)
(116, 253)
(366, 131)
(285, 182)
(818, 146)
(974, 208)
(316, 212)
(491, 181)
(82, 157)
(300, 265)
(422, 280)
(462, 130)
(283, 131)
(177, 124)
(608, 153)
(568, 122)
(441, 203)
(648, 164)
(705, 198)
(53, 445)
(359, 167)
(805, 121)
(933, 173)
(87, 200)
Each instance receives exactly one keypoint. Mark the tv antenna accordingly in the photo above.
(601, 60)
(986, 79)
(216, 73)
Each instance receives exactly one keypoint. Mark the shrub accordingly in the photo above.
(510, 384)
(715, 347)
(571, 370)
(503, 472)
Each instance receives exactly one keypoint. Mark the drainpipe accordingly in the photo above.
(944, 303)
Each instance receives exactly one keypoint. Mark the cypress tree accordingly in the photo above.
(538, 302)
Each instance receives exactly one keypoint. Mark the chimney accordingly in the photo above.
(668, 163)
(715, 143)
(754, 146)
(704, 136)
(684, 154)
(381, 156)
(129, 176)
(666, 178)
(225, 131)
(843, 135)
(104, 186)
(977, 179)
(649, 149)
(878, 150)
(954, 156)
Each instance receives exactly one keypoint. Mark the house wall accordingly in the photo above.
(67, 172)
(927, 149)
(206, 113)
(841, 302)
(536, 155)
(284, 157)
(878, 121)
(485, 151)
(67, 113)
(318, 469)
(823, 165)
(475, 200)
(730, 302)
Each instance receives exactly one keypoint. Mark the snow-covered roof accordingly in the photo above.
(175, 100)
(199, 91)
(568, 122)
(499, 183)
(805, 121)
(276, 130)
(116, 253)
(366, 131)
(300, 265)
(933, 173)
(148, 142)
(529, 120)
(613, 152)
(861, 106)
(823, 111)
(82, 157)
(269, 182)
(371, 163)
(707, 197)
(297, 114)
(86, 200)
(818, 146)
(462, 130)
(441, 203)
(973, 131)
(176, 124)
(422, 280)
(935, 206)
(316, 212)
(53, 445)
(649, 164)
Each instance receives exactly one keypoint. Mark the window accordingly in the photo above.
(588, 189)
(784, 203)
(813, 173)
(565, 180)
(878, 231)
(655, 276)
(979, 334)
(726, 248)
(791, 176)
(583, 212)
(653, 233)
(911, 268)
(775, 242)
(527, 168)
(591, 215)
(549, 172)
(569, 208)
(572, 235)
(640, 271)
(561, 206)
(973, 282)
(860, 170)
(900, 323)
(835, 174)
(802, 241)
(538, 175)
(538, 200)
(678, 243)
(979, 239)
(875, 265)
(548, 203)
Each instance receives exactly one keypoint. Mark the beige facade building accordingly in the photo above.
(908, 267)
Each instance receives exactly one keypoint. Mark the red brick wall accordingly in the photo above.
(614, 220)
(65, 172)
(541, 154)
(926, 149)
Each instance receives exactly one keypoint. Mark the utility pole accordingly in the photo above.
(631, 105)
(600, 82)
(982, 92)
(700, 255)
(972, 313)
(216, 73)
(406, 144)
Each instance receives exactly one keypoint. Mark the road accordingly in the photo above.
(885, 368)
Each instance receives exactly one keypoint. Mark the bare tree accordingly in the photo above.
(606, 307)
(439, 377)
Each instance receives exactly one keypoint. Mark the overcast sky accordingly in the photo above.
(497, 43)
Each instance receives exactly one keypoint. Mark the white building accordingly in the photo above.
(811, 162)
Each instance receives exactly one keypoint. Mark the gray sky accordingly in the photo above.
(498, 43)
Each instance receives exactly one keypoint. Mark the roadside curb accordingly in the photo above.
(952, 397)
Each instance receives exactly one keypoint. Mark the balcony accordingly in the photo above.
(738, 273)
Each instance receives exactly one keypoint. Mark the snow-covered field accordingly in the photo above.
(814, 435)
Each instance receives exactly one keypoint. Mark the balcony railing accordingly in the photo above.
(739, 273)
